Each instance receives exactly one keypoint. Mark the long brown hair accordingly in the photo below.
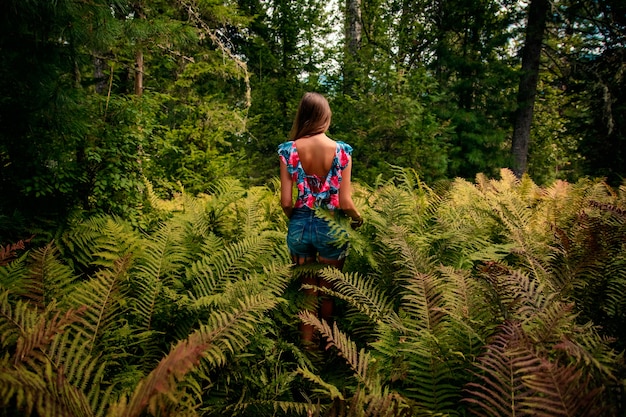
(313, 116)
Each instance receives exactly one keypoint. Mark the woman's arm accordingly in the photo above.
(286, 187)
(345, 194)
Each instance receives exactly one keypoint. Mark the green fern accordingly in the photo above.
(373, 399)
(361, 293)
(225, 332)
(98, 242)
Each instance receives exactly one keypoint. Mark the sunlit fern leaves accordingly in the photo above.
(468, 319)
(218, 216)
(158, 274)
(254, 211)
(213, 272)
(362, 294)
(464, 229)
(405, 205)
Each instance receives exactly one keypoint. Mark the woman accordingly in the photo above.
(321, 169)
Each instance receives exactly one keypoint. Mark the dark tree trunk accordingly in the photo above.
(139, 65)
(353, 35)
(99, 76)
(353, 26)
(531, 54)
(139, 73)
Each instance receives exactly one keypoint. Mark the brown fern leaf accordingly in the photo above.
(613, 209)
(516, 380)
(33, 287)
(9, 252)
(172, 368)
(44, 331)
(500, 390)
(560, 391)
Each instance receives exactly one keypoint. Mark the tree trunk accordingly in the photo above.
(139, 73)
(353, 44)
(353, 26)
(140, 14)
(531, 54)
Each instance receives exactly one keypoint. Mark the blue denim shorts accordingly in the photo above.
(309, 235)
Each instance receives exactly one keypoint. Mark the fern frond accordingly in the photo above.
(45, 392)
(357, 359)
(331, 390)
(16, 319)
(229, 264)
(101, 295)
(433, 371)
(164, 252)
(254, 211)
(9, 252)
(39, 336)
(591, 352)
(551, 324)
(71, 352)
(362, 294)
(13, 274)
(269, 407)
(500, 390)
(225, 332)
(99, 241)
(560, 391)
(464, 298)
(516, 378)
(214, 213)
(387, 404)
(49, 279)
(162, 262)
(423, 300)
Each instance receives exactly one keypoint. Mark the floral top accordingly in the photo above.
(315, 191)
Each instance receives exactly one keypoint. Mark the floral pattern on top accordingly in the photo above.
(313, 190)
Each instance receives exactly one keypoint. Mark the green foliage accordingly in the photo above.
(100, 344)
(496, 297)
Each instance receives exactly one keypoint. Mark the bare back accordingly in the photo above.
(316, 154)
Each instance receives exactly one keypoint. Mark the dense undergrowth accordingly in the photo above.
(494, 298)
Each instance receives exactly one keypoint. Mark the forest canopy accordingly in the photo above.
(100, 97)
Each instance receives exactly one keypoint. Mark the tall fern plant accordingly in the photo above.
(110, 321)
(482, 298)
(464, 306)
